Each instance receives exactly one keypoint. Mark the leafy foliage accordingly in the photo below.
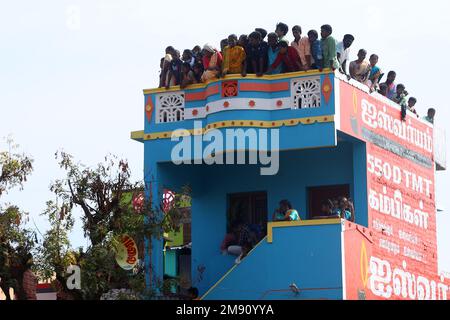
(16, 241)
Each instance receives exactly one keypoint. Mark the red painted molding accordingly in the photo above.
(202, 95)
(264, 87)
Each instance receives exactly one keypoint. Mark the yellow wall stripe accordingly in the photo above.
(140, 135)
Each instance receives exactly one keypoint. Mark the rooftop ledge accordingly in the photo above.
(239, 77)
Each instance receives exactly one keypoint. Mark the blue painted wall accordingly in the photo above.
(211, 185)
(310, 257)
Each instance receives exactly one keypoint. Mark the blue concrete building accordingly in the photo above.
(302, 117)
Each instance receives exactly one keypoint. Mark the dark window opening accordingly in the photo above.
(251, 209)
(318, 194)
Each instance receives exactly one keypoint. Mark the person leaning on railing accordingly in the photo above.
(285, 212)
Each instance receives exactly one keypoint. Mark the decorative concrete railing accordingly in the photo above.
(269, 101)
(301, 90)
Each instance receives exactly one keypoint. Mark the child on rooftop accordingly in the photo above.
(289, 57)
(375, 74)
(234, 58)
(272, 53)
(316, 50)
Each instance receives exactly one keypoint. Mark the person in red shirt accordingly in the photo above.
(289, 57)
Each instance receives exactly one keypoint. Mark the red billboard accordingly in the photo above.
(401, 200)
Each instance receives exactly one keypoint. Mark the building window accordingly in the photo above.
(250, 208)
(305, 93)
(169, 107)
(316, 195)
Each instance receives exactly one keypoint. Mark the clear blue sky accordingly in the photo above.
(72, 72)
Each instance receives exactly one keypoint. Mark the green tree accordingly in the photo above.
(16, 241)
(103, 195)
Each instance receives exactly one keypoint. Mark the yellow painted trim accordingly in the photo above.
(137, 135)
(230, 271)
(292, 224)
(239, 77)
(140, 135)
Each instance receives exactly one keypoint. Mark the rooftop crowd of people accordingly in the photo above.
(252, 54)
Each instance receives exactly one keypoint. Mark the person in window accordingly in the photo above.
(346, 209)
(288, 56)
(303, 47)
(327, 211)
(360, 68)
(285, 212)
(236, 239)
(234, 58)
(328, 44)
(316, 50)
(212, 63)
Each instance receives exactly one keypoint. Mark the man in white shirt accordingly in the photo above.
(343, 52)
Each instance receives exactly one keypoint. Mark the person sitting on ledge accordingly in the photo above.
(375, 74)
(198, 71)
(212, 63)
(234, 58)
(285, 212)
(187, 75)
(360, 68)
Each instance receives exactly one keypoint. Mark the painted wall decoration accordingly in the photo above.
(401, 198)
(126, 253)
